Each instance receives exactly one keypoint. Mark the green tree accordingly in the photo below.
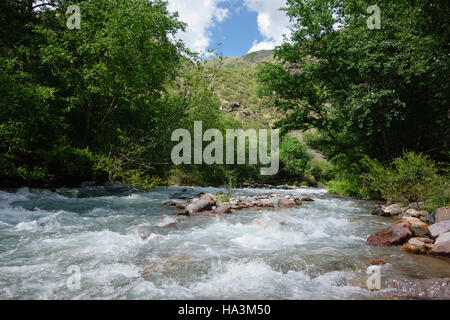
(369, 92)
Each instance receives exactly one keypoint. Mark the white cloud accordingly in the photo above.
(272, 23)
(263, 45)
(200, 15)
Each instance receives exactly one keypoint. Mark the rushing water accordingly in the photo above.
(128, 245)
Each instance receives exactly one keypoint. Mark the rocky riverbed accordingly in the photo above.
(205, 243)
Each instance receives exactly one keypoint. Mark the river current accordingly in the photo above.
(128, 245)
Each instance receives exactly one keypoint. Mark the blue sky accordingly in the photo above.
(241, 26)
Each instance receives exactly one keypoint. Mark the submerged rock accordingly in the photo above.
(305, 197)
(263, 222)
(396, 234)
(170, 203)
(287, 203)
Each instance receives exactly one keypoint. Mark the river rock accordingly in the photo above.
(198, 206)
(223, 209)
(182, 206)
(426, 240)
(263, 222)
(438, 228)
(443, 237)
(266, 203)
(441, 249)
(306, 198)
(183, 213)
(412, 221)
(420, 230)
(414, 245)
(286, 203)
(378, 211)
(396, 234)
(442, 214)
(170, 203)
(210, 198)
(392, 210)
(413, 213)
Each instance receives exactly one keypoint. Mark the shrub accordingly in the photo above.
(320, 170)
(411, 178)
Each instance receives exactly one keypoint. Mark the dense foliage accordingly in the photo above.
(99, 102)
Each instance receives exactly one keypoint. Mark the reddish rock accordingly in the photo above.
(396, 234)
(442, 214)
(223, 209)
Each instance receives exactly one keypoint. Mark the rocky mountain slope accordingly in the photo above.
(236, 85)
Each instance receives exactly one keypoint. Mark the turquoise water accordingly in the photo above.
(128, 245)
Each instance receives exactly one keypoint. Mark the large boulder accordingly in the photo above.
(443, 237)
(396, 234)
(287, 203)
(438, 228)
(199, 206)
(442, 214)
(441, 249)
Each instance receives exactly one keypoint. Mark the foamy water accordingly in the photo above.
(128, 245)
